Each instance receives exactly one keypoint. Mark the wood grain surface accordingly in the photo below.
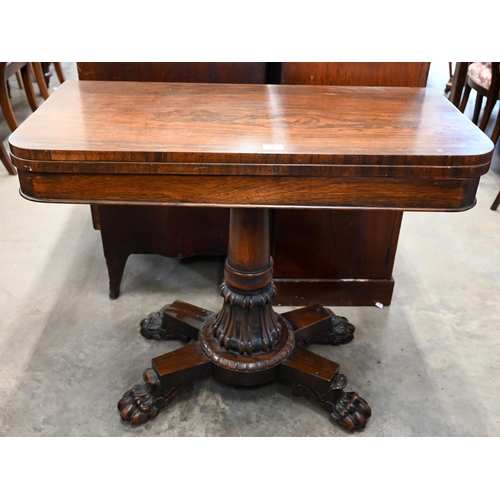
(263, 124)
(259, 145)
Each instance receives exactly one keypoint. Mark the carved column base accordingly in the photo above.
(247, 323)
(246, 370)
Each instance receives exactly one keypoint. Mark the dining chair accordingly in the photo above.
(484, 78)
(26, 69)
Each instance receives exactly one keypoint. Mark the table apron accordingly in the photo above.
(238, 191)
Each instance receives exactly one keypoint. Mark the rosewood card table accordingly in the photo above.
(249, 148)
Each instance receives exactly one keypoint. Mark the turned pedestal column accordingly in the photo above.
(247, 340)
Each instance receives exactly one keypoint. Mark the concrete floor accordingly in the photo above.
(429, 365)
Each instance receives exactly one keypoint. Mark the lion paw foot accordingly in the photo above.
(351, 411)
(138, 404)
(154, 328)
(347, 408)
(144, 402)
(340, 332)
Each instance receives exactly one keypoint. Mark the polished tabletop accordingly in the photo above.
(327, 140)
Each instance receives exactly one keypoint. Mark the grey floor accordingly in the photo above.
(429, 364)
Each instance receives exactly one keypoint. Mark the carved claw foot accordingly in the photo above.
(340, 332)
(154, 328)
(144, 402)
(138, 404)
(347, 408)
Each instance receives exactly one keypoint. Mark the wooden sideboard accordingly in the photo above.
(326, 270)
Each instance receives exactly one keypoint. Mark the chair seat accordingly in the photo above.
(480, 73)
